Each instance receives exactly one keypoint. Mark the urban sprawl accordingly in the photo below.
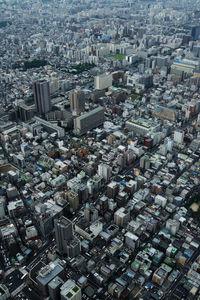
(100, 149)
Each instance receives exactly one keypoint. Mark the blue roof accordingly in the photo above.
(148, 285)
(123, 182)
(27, 251)
(54, 272)
(116, 243)
(129, 274)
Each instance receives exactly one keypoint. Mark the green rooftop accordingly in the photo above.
(135, 262)
(69, 295)
(75, 289)
(143, 267)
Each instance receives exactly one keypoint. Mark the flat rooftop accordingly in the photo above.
(90, 113)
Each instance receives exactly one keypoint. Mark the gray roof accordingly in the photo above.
(90, 113)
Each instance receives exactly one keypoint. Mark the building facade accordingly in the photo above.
(89, 120)
(41, 92)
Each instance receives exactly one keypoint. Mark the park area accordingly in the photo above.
(118, 56)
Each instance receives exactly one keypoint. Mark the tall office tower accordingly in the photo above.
(77, 101)
(41, 92)
(66, 242)
(63, 232)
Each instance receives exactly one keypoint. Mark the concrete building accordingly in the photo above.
(103, 81)
(87, 212)
(4, 292)
(54, 288)
(121, 216)
(173, 226)
(2, 207)
(63, 232)
(25, 112)
(77, 101)
(90, 213)
(41, 92)
(69, 290)
(48, 126)
(195, 32)
(164, 113)
(105, 171)
(112, 189)
(142, 126)
(162, 201)
(159, 276)
(89, 120)
(144, 81)
(15, 208)
(87, 231)
(73, 199)
(131, 240)
(178, 137)
(187, 66)
(65, 240)
(46, 274)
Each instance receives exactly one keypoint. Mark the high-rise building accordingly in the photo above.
(46, 274)
(103, 81)
(112, 189)
(90, 213)
(63, 232)
(73, 199)
(105, 171)
(41, 92)
(121, 216)
(131, 240)
(25, 112)
(195, 32)
(53, 85)
(77, 101)
(54, 288)
(88, 121)
(2, 207)
(178, 137)
(87, 212)
(66, 242)
(103, 204)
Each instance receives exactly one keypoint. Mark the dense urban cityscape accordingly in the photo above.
(99, 149)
